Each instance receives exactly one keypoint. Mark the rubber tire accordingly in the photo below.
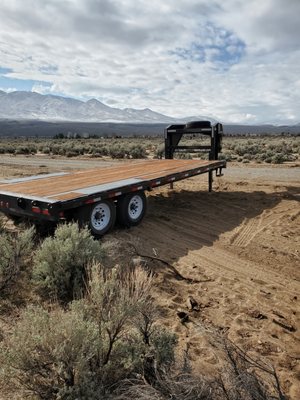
(85, 213)
(198, 124)
(123, 217)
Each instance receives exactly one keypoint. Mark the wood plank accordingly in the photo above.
(60, 187)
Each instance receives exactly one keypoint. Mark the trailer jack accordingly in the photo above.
(219, 171)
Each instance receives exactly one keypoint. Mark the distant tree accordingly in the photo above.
(59, 136)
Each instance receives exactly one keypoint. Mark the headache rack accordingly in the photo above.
(174, 133)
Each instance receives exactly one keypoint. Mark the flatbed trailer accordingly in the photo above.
(99, 196)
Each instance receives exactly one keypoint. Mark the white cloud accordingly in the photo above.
(8, 90)
(235, 60)
(42, 89)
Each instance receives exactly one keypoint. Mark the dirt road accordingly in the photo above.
(240, 248)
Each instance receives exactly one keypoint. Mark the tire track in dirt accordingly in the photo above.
(233, 242)
(250, 228)
(247, 232)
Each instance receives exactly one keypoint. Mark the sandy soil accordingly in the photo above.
(240, 248)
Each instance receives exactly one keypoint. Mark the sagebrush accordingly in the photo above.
(15, 248)
(59, 267)
(87, 350)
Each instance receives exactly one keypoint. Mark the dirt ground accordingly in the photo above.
(239, 247)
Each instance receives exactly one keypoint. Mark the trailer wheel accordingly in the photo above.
(100, 218)
(131, 209)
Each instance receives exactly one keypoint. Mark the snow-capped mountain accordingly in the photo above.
(31, 105)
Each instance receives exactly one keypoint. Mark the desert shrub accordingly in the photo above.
(183, 156)
(204, 156)
(10, 149)
(242, 149)
(2, 225)
(99, 151)
(180, 386)
(71, 153)
(22, 150)
(57, 149)
(85, 351)
(270, 150)
(117, 151)
(14, 248)
(74, 151)
(278, 158)
(226, 156)
(164, 344)
(47, 352)
(159, 152)
(33, 149)
(60, 262)
(45, 150)
(137, 152)
(241, 378)
(95, 154)
(62, 151)
(96, 349)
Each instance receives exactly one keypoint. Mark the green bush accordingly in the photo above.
(48, 352)
(137, 152)
(226, 156)
(71, 153)
(86, 351)
(14, 248)
(22, 150)
(159, 152)
(45, 150)
(278, 158)
(117, 151)
(183, 156)
(60, 263)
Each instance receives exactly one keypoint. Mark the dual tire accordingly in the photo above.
(101, 217)
(131, 209)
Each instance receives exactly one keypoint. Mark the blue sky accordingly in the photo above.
(232, 60)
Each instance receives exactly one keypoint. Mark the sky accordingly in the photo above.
(233, 60)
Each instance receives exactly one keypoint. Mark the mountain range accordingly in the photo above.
(35, 106)
(29, 113)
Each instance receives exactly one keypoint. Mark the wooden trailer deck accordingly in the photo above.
(62, 187)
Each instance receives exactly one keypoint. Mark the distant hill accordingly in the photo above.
(12, 128)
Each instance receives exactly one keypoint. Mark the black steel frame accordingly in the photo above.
(174, 133)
